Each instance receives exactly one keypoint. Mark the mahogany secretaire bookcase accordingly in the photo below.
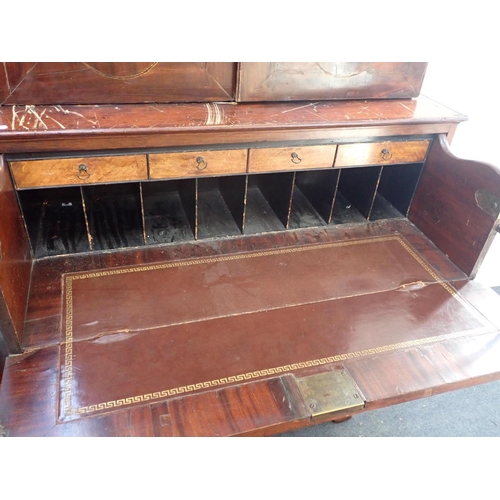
(209, 249)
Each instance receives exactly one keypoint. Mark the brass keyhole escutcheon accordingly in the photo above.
(295, 158)
(83, 173)
(201, 164)
(385, 154)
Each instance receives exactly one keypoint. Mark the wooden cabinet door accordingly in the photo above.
(278, 81)
(123, 82)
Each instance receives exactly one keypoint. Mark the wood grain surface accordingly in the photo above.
(197, 163)
(291, 158)
(72, 128)
(264, 406)
(381, 153)
(285, 81)
(15, 264)
(116, 82)
(456, 205)
(79, 171)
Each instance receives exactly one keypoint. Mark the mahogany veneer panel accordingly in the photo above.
(29, 392)
(11, 75)
(73, 128)
(15, 264)
(119, 82)
(252, 408)
(427, 370)
(285, 81)
(457, 205)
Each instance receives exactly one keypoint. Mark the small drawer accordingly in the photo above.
(381, 153)
(197, 163)
(74, 171)
(294, 158)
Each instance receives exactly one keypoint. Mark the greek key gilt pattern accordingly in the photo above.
(68, 355)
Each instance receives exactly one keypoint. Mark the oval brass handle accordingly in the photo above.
(295, 158)
(201, 164)
(83, 173)
(385, 154)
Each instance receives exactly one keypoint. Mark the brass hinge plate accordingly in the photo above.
(329, 393)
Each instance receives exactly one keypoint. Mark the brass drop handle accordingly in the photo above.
(201, 164)
(83, 173)
(385, 154)
(295, 158)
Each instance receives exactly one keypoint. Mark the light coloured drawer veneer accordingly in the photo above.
(197, 163)
(75, 171)
(381, 153)
(291, 158)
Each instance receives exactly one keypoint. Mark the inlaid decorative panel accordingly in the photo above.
(292, 81)
(116, 82)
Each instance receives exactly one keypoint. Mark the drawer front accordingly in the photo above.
(381, 153)
(197, 163)
(291, 158)
(75, 171)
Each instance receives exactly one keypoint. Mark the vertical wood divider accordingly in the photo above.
(336, 186)
(196, 208)
(290, 201)
(375, 193)
(89, 236)
(245, 202)
(334, 195)
(143, 219)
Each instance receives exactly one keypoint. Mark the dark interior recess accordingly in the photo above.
(359, 186)
(114, 215)
(398, 184)
(55, 221)
(313, 197)
(268, 202)
(169, 211)
(215, 216)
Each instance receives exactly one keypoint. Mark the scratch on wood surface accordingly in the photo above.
(20, 117)
(215, 115)
(38, 117)
(54, 120)
(156, 109)
(300, 107)
(67, 111)
(405, 106)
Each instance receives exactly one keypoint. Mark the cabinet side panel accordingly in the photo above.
(15, 263)
(456, 205)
